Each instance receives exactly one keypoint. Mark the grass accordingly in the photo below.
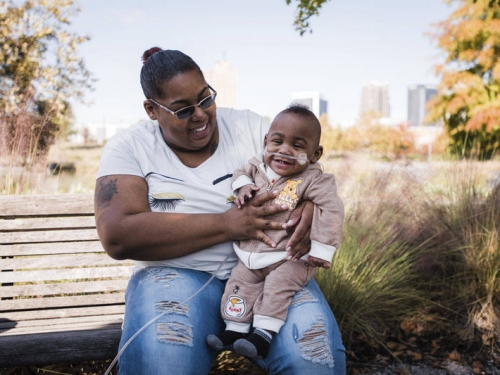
(421, 249)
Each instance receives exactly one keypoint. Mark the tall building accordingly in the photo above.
(224, 79)
(312, 100)
(418, 96)
(375, 98)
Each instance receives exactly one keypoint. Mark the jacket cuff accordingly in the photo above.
(322, 251)
(241, 181)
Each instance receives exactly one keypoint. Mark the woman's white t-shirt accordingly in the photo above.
(175, 188)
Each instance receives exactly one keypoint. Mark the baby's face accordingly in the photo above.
(290, 135)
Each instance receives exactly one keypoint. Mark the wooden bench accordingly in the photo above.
(62, 296)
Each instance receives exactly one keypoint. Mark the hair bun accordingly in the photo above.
(149, 53)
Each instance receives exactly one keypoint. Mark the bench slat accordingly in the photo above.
(60, 324)
(65, 274)
(45, 223)
(63, 288)
(53, 317)
(48, 236)
(42, 205)
(58, 302)
(51, 248)
(57, 261)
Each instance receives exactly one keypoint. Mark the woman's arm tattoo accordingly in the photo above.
(105, 191)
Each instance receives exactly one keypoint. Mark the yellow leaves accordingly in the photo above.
(496, 72)
(469, 29)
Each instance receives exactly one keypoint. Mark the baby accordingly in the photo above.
(264, 281)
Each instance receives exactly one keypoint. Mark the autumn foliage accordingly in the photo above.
(468, 100)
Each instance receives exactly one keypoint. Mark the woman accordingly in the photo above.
(163, 198)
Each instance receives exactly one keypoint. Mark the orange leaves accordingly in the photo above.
(455, 104)
(488, 117)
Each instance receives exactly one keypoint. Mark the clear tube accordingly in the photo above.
(301, 159)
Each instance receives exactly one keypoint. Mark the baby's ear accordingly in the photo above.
(265, 141)
(317, 154)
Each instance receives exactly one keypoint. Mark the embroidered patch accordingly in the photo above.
(235, 306)
(288, 195)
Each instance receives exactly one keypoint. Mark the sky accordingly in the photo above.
(353, 43)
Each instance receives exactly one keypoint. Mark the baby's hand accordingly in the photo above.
(317, 262)
(245, 193)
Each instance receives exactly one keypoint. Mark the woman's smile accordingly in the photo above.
(200, 129)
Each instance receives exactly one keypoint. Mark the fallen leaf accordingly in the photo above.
(476, 367)
(435, 343)
(407, 327)
(395, 345)
(454, 356)
(415, 356)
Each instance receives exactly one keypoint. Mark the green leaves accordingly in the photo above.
(305, 10)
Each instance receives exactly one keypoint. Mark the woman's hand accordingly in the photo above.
(250, 221)
(299, 225)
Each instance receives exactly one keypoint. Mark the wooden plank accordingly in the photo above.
(51, 248)
(60, 302)
(65, 274)
(53, 316)
(8, 328)
(58, 261)
(41, 205)
(47, 223)
(47, 348)
(49, 236)
(63, 288)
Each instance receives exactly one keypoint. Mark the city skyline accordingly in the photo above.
(351, 43)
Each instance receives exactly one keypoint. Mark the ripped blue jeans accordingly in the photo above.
(308, 343)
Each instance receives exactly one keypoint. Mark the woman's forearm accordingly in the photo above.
(128, 229)
(160, 236)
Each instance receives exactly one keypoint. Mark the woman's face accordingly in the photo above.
(195, 133)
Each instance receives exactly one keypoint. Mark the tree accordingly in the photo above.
(468, 98)
(305, 10)
(40, 72)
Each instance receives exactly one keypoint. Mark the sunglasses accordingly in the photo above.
(186, 112)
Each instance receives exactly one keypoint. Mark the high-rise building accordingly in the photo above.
(418, 96)
(224, 79)
(375, 98)
(312, 100)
